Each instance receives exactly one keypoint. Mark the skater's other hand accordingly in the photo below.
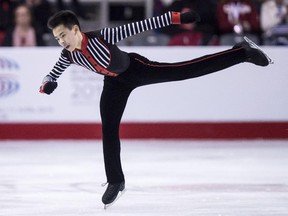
(48, 87)
(189, 17)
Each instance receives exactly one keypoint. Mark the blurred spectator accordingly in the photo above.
(158, 7)
(207, 12)
(75, 6)
(23, 33)
(202, 33)
(237, 18)
(191, 36)
(41, 10)
(274, 17)
(178, 5)
(6, 13)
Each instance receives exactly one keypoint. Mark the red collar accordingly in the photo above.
(84, 43)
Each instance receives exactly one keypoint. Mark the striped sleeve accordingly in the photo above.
(116, 34)
(59, 67)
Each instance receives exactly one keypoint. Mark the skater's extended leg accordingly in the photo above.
(155, 72)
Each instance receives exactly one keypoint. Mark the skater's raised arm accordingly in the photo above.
(116, 34)
(90, 51)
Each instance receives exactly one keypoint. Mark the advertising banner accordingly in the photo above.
(21, 73)
(244, 92)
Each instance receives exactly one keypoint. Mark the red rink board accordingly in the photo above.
(167, 130)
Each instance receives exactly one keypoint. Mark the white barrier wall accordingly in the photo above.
(242, 93)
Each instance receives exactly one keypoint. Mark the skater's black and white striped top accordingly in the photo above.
(98, 50)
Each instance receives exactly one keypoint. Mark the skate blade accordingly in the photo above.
(257, 47)
(118, 197)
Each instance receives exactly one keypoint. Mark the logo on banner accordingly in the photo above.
(9, 85)
(86, 86)
(8, 64)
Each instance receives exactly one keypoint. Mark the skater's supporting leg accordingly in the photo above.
(113, 101)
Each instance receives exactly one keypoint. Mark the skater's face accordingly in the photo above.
(70, 39)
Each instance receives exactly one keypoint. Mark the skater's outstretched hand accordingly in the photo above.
(189, 17)
(48, 87)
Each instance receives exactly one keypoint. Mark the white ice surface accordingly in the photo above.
(169, 178)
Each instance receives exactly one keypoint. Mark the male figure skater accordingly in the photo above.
(97, 51)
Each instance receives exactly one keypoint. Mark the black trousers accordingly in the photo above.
(142, 72)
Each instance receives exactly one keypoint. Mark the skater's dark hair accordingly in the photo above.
(65, 17)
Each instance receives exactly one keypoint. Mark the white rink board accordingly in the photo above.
(242, 93)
